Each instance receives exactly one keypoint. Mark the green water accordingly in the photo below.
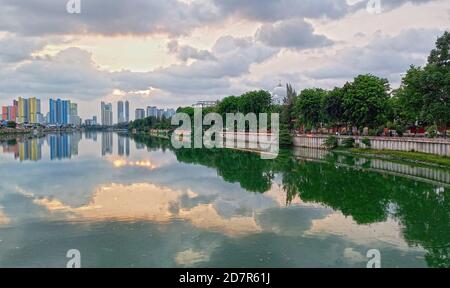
(139, 203)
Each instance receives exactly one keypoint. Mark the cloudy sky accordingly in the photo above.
(174, 52)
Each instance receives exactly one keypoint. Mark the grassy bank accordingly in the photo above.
(403, 155)
(9, 133)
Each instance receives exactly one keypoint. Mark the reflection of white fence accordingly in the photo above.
(379, 165)
(310, 153)
(422, 172)
(430, 146)
(239, 139)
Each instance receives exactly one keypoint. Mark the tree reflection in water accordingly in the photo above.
(423, 209)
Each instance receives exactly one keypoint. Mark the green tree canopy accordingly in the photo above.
(365, 101)
(308, 106)
(333, 106)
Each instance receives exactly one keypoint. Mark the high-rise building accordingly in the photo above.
(159, 113)
(120, 112)
(34, 110)
(9, 113)
(107, 114)
(127, 111)
(25, 111)
(22, 111)
(60, 111)
(152, 111)
(65, 113)
(91, 122)
(169, 113)
(5, 113)
(140, 114)
(14, 110)
(74, 119)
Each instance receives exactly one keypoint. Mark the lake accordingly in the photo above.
(137, 202)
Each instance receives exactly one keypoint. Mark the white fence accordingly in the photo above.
(430, 146)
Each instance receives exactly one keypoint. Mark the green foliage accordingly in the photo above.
(11, 124)
(365, 101)
(440, 56)
(424, 94)
(348, 143)
(366, 142)
(331, 142)
(229, 105)
(150, 123)
(308, 106)
(432, 131)
(287, 108)
(333, 106)
(255, 102)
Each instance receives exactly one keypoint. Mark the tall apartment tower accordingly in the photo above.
(107, 114)
(127, 111)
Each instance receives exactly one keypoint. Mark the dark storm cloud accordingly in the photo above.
(185, 52)
(173, 17)
(296, 34)
(269, 11)
(112, 17)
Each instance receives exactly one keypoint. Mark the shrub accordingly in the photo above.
(400, 129)
(11, 124)
(331, 143)
(366, 142)
(432, 131)
(373, 132)
(348, 142)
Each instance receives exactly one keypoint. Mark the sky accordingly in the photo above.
(171, 53)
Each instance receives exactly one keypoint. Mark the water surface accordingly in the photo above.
(126, 202)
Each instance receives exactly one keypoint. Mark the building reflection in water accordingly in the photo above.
(29, 150)
(63, 146)
(123, 145)
(91, 135)
(107, 143)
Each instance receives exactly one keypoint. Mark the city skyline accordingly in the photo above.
(63, 111)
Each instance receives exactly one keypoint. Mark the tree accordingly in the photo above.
(286, 119)
(333, 106)
(11, 124)
(424, 94)
(288, 107)
(410, 97)
(441, 56)
(436, 90)
(365, 101)
(308, 106)
(228, 105)
(255, 102)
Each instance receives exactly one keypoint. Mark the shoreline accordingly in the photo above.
(403, 156)
(395, 155)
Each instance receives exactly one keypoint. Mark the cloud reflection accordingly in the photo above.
(154, 203)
